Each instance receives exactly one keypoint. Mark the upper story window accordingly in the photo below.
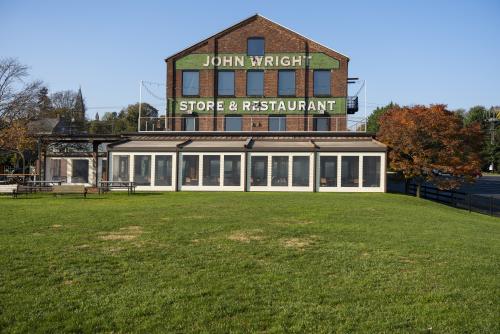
(190, 83)
(233, 123)
(277, 123)
(321, 123)
(286, 83)
(322, 83)
(189, 123)
(255, 46)
(255, 83)
(225, 83)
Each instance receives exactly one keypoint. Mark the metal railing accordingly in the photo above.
(249, 123)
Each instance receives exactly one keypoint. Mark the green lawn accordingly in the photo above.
(246, 262)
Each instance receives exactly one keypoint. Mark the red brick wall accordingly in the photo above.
(277, 39)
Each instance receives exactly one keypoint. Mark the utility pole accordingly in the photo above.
(493, 118)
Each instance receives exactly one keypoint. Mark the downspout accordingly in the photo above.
(315, 166)
(177, 171)
(306, 89)
(216, 83)
(247, 146)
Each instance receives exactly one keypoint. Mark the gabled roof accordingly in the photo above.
(242, 23)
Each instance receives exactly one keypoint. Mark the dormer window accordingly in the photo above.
(255, 46)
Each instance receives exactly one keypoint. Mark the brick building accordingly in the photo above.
(255, 107)
(258, 76)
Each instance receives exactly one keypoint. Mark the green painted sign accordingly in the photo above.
(245, 105)
(198, 61)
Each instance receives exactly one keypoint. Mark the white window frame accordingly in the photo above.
(360, 187)
(131, 170)
(290, 156)
(221, 187)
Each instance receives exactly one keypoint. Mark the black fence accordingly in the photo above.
(487, 204)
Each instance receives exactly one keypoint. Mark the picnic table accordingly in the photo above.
(108, 185)
(39, 185)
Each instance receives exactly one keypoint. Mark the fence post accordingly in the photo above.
(491, 205)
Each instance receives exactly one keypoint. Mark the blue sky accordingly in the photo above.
(408, 51)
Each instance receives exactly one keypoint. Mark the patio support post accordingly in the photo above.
(95, 154)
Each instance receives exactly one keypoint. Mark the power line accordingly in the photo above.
(150, 91)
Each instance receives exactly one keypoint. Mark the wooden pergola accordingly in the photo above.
(44, 140)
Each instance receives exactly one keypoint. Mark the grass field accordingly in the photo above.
(246, 262)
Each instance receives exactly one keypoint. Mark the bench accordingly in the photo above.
(9, 189)
(105, 186)
(22, 189)
(69, 189)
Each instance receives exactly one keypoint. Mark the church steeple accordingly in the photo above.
(79, 113)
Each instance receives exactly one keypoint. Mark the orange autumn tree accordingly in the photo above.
(431, 144)
(16, 138)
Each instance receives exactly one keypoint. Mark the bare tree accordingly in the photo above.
(63, 100)
(18, 98)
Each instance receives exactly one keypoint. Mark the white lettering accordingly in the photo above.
(322, 105)
(210, 105)
(183, 106)
(256, 60)
(296, 61)
(263, 106)
(239, 61)
(200, 106)
(268, 61)
(227, 61)
(207, 63)
(281, 106)
(246, 106)
(311, 106)
(220, 105)
(285, 61)
(272, 105)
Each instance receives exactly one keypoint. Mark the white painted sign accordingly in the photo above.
(256, 61)
(264, 106)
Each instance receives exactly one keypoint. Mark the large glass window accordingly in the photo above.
(277, 123)
(142, 170)
(211, 170)
(58, 169)
(255, 46)
(189, 123)
(255, 83)
(190, 83)
(190, 170)
(350, 171)
(259, 171)
(286, 83)
(225, 83)
(232, 123)
(232, 170)
(371, 171)
(300, 172)
(163, 170)
(328, 171)
(80, 171)
(279, 172)
(322, 83)
(121, 168)
(104, 170)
